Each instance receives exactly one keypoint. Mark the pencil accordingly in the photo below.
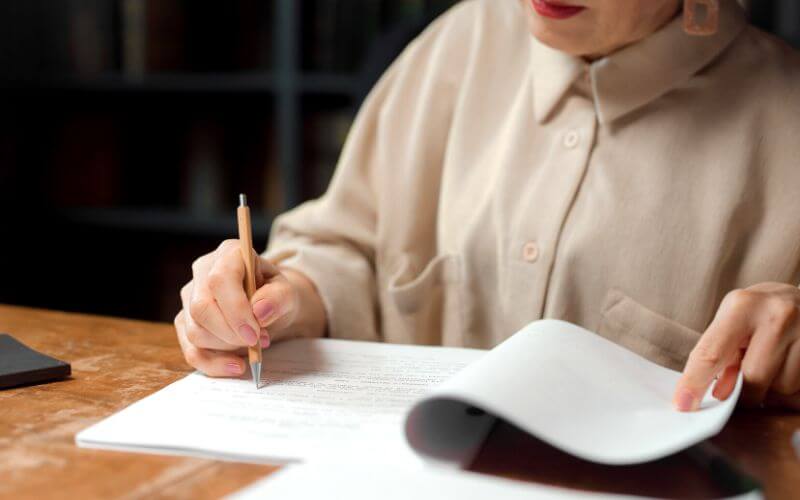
(246, 241)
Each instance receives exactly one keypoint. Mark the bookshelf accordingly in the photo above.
(313, 83)
(288, 78)
(135, 123)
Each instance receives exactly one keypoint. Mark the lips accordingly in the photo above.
(556, 10)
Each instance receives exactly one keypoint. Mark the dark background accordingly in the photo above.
(128, 128)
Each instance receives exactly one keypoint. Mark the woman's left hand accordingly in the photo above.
(757, 330)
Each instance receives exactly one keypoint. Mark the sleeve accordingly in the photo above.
(332, 240)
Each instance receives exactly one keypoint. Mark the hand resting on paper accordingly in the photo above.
(217, 321)
(756, 330)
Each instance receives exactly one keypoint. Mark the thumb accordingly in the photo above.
(266, 270)
(275, 305)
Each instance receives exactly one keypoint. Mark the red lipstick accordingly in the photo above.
(556, 10)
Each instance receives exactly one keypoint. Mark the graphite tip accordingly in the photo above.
(242, 200)
(256, 369)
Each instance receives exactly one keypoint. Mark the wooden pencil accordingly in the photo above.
(246, 241)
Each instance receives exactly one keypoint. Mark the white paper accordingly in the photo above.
(348, 401)
(323, 399)
(573, 389)
(303, 482)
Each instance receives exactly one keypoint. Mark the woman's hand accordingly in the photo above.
(756, 330)
(217, 322)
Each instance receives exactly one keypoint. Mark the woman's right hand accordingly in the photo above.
(218, 322)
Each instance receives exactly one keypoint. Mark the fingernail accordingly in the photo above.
(248, 334)
(717, 391)
(234, 368)
(263, 309)
(265, 342)
(685, 401)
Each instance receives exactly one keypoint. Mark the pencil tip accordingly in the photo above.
(242, 200)
(256, 369)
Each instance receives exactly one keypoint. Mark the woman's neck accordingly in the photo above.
(668, 16)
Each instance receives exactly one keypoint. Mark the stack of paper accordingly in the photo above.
(339, 401)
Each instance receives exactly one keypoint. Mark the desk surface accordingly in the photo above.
(38, 425)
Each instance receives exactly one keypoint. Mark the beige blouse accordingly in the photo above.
(490, 181)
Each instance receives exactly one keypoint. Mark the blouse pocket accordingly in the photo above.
(426, 301)
(645, 332)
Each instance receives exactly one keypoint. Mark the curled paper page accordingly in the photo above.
(572, 389)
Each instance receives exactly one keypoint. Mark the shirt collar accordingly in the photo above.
(637, 74)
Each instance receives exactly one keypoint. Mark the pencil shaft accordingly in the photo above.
(246, 241)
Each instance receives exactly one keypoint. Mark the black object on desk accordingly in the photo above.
(20, 365)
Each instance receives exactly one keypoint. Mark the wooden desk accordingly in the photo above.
(116, 362)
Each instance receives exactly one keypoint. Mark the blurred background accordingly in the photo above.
(128, 128)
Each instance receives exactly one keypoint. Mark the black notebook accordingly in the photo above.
(19, 364)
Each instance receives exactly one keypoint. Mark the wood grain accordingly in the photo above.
(116, 362)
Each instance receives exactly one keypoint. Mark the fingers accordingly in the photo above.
(201, 266)
(717, 349)
(265, 270)
(275, 304)
(222, 338)
(216, 302)
(225, 282)
(763, 360)
(755, 329)
(206, 314)
(767, 364)
(787, 382)
(726, 383)
(202, 338)
(217, 319)
(212, 363)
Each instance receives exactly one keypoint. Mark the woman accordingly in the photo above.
(610, 170)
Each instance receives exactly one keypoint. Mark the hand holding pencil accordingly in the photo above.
(234, 306)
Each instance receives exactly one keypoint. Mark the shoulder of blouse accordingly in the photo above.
(454, 41)
(764, 73)
(768, 65)
(446, 56)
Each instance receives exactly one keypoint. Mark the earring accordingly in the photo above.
(691, 11)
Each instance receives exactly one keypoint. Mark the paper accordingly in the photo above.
(343, 401)
(301, 482)
(573, 389)
(322, 399)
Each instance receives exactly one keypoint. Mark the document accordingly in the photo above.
(339, 401)
(572, 389)
(321, 399)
